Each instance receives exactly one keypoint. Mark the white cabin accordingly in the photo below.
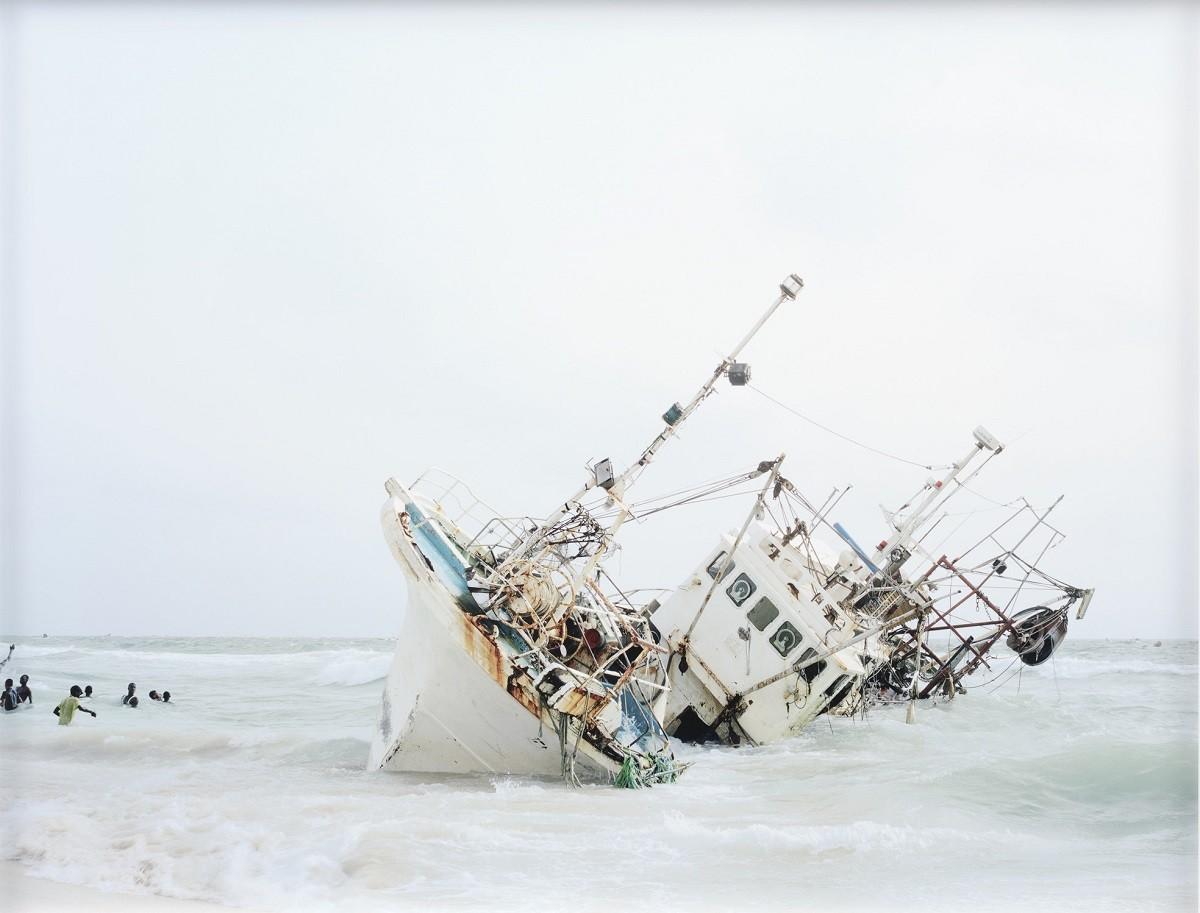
(770, 610)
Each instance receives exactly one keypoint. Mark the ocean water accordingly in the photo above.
(1071, 787)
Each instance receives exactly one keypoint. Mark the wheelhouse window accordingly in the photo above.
(785, 639)
(741, 589)
(838, 684)
(838, 691)
(809, 673)
(715, 567)
(763, 613)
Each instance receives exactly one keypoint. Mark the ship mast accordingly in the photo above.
(676, 416)
(931, 492)
(673, 419)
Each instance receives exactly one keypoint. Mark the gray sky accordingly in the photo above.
(260, 258)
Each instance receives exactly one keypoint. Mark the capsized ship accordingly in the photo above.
(510, 669)
(776, 627)
(518, 652)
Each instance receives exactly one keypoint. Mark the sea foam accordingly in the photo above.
(1072, 787)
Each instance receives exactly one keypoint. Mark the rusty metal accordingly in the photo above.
(948, 565)
(951, 627)
(525, 698)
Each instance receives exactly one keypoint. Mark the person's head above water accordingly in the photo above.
(133, 702)
(132, 686)
(154, 696)
(166, 696)
(76, 691)
(88, 691)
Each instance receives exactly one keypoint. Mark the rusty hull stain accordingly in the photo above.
(527, 700)
(482, 647)
(480, 643)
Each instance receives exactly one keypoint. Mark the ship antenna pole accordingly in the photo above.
(676, 415)
(933, 490)
(739, 375)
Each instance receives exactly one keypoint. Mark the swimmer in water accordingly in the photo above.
(65, 711)
(154, 696)
(87, 691)
(8, 698)
(166, 698)
(129, 695)
(24, 693)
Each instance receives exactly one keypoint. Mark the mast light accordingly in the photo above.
(739, 374)
(603, 472)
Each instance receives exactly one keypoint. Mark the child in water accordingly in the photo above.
(66, 708)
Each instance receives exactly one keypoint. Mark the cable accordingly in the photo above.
(826, 428)
(1013, 503)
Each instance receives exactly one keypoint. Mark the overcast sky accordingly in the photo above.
(258, 259)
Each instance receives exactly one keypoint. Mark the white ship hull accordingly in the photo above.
(447, 705)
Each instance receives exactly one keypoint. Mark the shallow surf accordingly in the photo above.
(1073, 786)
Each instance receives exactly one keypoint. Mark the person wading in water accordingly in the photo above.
(65, 711)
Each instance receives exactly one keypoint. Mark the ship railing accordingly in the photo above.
(475, 522)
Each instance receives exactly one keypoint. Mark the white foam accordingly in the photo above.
(251, 791)
(356, 670)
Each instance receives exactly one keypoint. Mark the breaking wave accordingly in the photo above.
(354, 670)
(1072, 788)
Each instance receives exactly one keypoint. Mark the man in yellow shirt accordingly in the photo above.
(66, 708)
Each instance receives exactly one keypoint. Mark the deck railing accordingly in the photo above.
(476, 523)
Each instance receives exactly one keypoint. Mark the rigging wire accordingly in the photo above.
(1013, 503)
(1051, 580)
(826, 428)
(699, 498)
(713, 484)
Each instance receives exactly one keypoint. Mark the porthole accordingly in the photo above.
(741, 589)
(785, 639)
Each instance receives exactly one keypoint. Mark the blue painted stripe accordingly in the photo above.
(446, 563)
(841, 531)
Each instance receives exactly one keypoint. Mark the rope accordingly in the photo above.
(826, 428)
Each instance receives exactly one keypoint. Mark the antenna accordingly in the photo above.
(673, 419)
(739, 376)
